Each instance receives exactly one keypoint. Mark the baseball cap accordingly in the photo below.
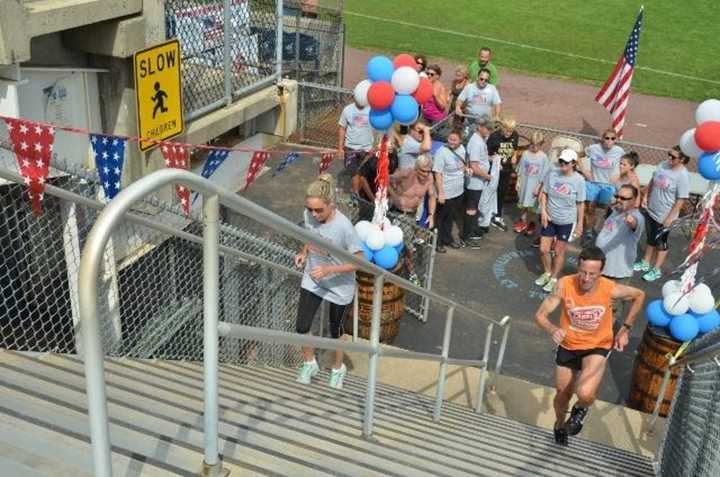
(568, 155)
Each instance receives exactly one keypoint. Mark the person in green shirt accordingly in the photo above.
(483, 61)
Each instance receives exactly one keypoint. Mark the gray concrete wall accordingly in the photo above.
(49, 50)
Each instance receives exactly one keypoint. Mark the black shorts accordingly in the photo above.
(573, 358)
(472, 198)
(561, 232)
(308, 306)
(657, 234)
(353, 158)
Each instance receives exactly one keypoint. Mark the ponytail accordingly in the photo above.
(322, 188)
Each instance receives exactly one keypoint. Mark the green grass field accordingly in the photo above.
(677, 37)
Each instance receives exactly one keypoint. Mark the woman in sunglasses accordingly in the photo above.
(325, 278)
(420, 65)
(664, 197)
(433, 110)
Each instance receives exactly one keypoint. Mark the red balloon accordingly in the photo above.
(380, 95)
(403, 59)
(707, 136)
(424, 91)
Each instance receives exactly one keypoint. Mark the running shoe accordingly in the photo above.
(530, 230)
(475, 244)
(498, 222)
(561, 436)
(440, 249)
(337, 376)
(542, 280)
(574, 423)
(307, 372)
(550, 285)
(652, 275)
(484, 229)
(520, 226)
(641, 266)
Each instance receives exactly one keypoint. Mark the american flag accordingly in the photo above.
(33, 144)
(109, 158)
(325, 159)
(289, 159)
(615, 93)
(177, 157)
(256, 163)
(213, 161)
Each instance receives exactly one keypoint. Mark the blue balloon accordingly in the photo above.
(380, 68)
(400, 247)
(381, 119)
(708, 321)
(684, 327)
(404, 109)
(656, 314)
(368, 253)
(387, 257)
(709, 165)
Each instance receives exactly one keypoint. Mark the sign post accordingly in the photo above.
(158, 93)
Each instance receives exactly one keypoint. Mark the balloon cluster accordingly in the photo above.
(685, 314)
(703, 141)
(393, 90)
(381, 245)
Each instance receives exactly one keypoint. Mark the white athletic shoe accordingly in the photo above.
(307, 372)
(337, 376)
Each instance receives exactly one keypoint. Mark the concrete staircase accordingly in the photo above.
(269, 425)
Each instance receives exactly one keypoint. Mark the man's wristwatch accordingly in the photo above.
(628, 327)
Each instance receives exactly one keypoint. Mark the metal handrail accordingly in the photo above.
(213, 194)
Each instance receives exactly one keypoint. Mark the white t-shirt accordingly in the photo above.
(409, 152)
(477, 152)
(358, 132)
(480, 102)
(451, 164)
(604, 165)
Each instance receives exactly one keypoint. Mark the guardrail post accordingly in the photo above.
(373, 361)
(356, 311)
(212, 466)
(440, 393)
(227, 35)
(484, 369)
(661, 396)
(505, 323)
(279, 38)
(428, 280)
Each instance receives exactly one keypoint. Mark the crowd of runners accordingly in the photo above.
(460, 183)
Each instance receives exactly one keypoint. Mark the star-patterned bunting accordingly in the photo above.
(109, 154)
(289, 159)
(325, 159)
(177, 157)
(33, 144)
(256, 163)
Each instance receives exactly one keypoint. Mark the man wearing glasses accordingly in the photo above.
(664, 197)
(604, 164)
(619, 237)
(483, 61)
(480, 99)
(418, 141)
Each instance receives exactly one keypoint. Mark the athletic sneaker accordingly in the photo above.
(641, 266)
(475, 243)
(574, 423)
(499, 223)
(652, 275)
(307, 372)
(337, 376)
(542, 280)
(530, 230)
(561, 436)
(520, 226)
(550, 285)
(484, 229)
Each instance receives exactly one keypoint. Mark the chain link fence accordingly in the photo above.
(150, 286)
(692, 442)
(228, 49)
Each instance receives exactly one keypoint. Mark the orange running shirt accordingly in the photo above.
(586, 317)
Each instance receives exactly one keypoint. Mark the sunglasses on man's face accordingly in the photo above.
(483, 80)
(609, 138)
(673, 156)
(425, 171)
(619, 197)
(564, 163)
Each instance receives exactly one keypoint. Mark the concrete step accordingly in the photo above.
(271, 425)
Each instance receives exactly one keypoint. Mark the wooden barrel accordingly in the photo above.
(393, 308)
(649, 369)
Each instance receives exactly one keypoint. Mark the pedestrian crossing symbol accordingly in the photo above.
(158, 93)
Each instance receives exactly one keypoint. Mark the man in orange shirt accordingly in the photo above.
(585, 335)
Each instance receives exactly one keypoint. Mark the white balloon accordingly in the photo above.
(386, 223)
(363, 228)
(701, 299)
(670, 286)
(393, 236)
(405, 80)
(361, 91)
(676, 303)
(709, 110)
(688, 144)
(375, 240)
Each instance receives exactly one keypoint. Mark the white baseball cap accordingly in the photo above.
(568, 155)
